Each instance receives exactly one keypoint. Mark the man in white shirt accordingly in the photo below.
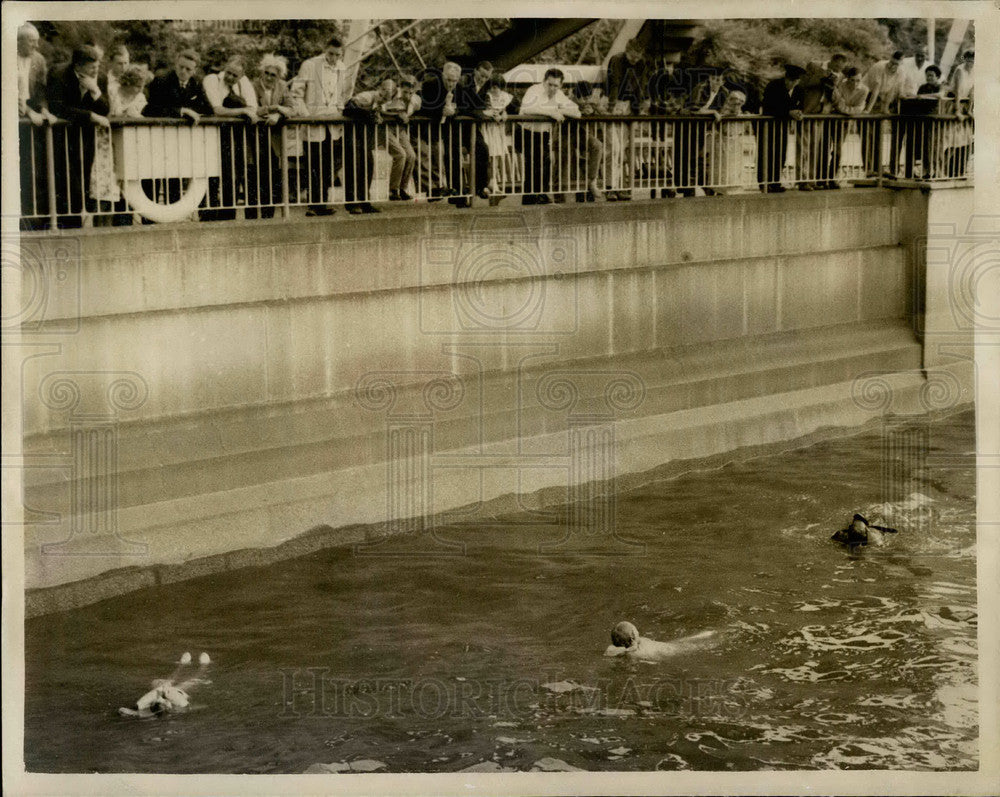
(325, 91)
(543, 99)
(885, 82)
(912, 71)
(231, 94)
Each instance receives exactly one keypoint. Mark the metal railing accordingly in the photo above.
(168, 170)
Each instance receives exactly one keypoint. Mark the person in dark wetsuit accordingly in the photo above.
(861, 532)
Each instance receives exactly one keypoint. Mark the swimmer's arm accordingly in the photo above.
(615, 651)
(185, 686)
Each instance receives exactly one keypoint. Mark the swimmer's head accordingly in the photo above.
(624, 635)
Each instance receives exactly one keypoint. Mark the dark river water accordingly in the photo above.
(407, 660)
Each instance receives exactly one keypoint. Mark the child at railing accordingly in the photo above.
(494, 134)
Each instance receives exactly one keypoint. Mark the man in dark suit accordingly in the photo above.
(782, 99)
(178, 93)
(472, 101)
(175, 95)
(73, 95)
(628, 79)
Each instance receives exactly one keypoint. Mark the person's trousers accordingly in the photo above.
(74, 154)
(537, 148)
(595, 154)
(238, 178)
(871, 145)
(359, 161)
(34, 177)
(267, 174)
(324, 159)
(689, 166)
(772, 144)
(404, 157)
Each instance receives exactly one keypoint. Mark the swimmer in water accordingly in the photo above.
(625, 641)
(861, 532)
(166, 696)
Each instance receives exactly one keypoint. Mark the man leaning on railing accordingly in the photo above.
(275, 104)
(324, 86)
(543, 99)
(73, 95)
(818, 151)
(232, 96)
(398, 111)
(782, 100)
(32, 74)
(176, 95)
(365, 109)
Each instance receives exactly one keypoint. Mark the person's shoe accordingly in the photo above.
(686, 191)
(529, 199)
(394, 196)
(404, 197)
(709, 191)
(667, 193)
(833, 185)
(484, 193)
(320, 211)
(368, 207)
(438, 194)
(807, 187)
(355, 208)
(544, 199)
(624, 196)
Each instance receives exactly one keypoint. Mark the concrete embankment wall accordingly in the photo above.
(249, 382)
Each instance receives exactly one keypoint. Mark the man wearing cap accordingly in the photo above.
(782, 100)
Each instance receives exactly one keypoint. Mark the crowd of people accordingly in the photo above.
(264, 157)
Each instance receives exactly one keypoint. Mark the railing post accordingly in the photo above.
(50, 176)
(631, 155)
(283, 171)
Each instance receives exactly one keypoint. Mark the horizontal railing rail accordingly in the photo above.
(161, 170)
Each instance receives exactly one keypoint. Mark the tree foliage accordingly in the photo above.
(755, 48)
